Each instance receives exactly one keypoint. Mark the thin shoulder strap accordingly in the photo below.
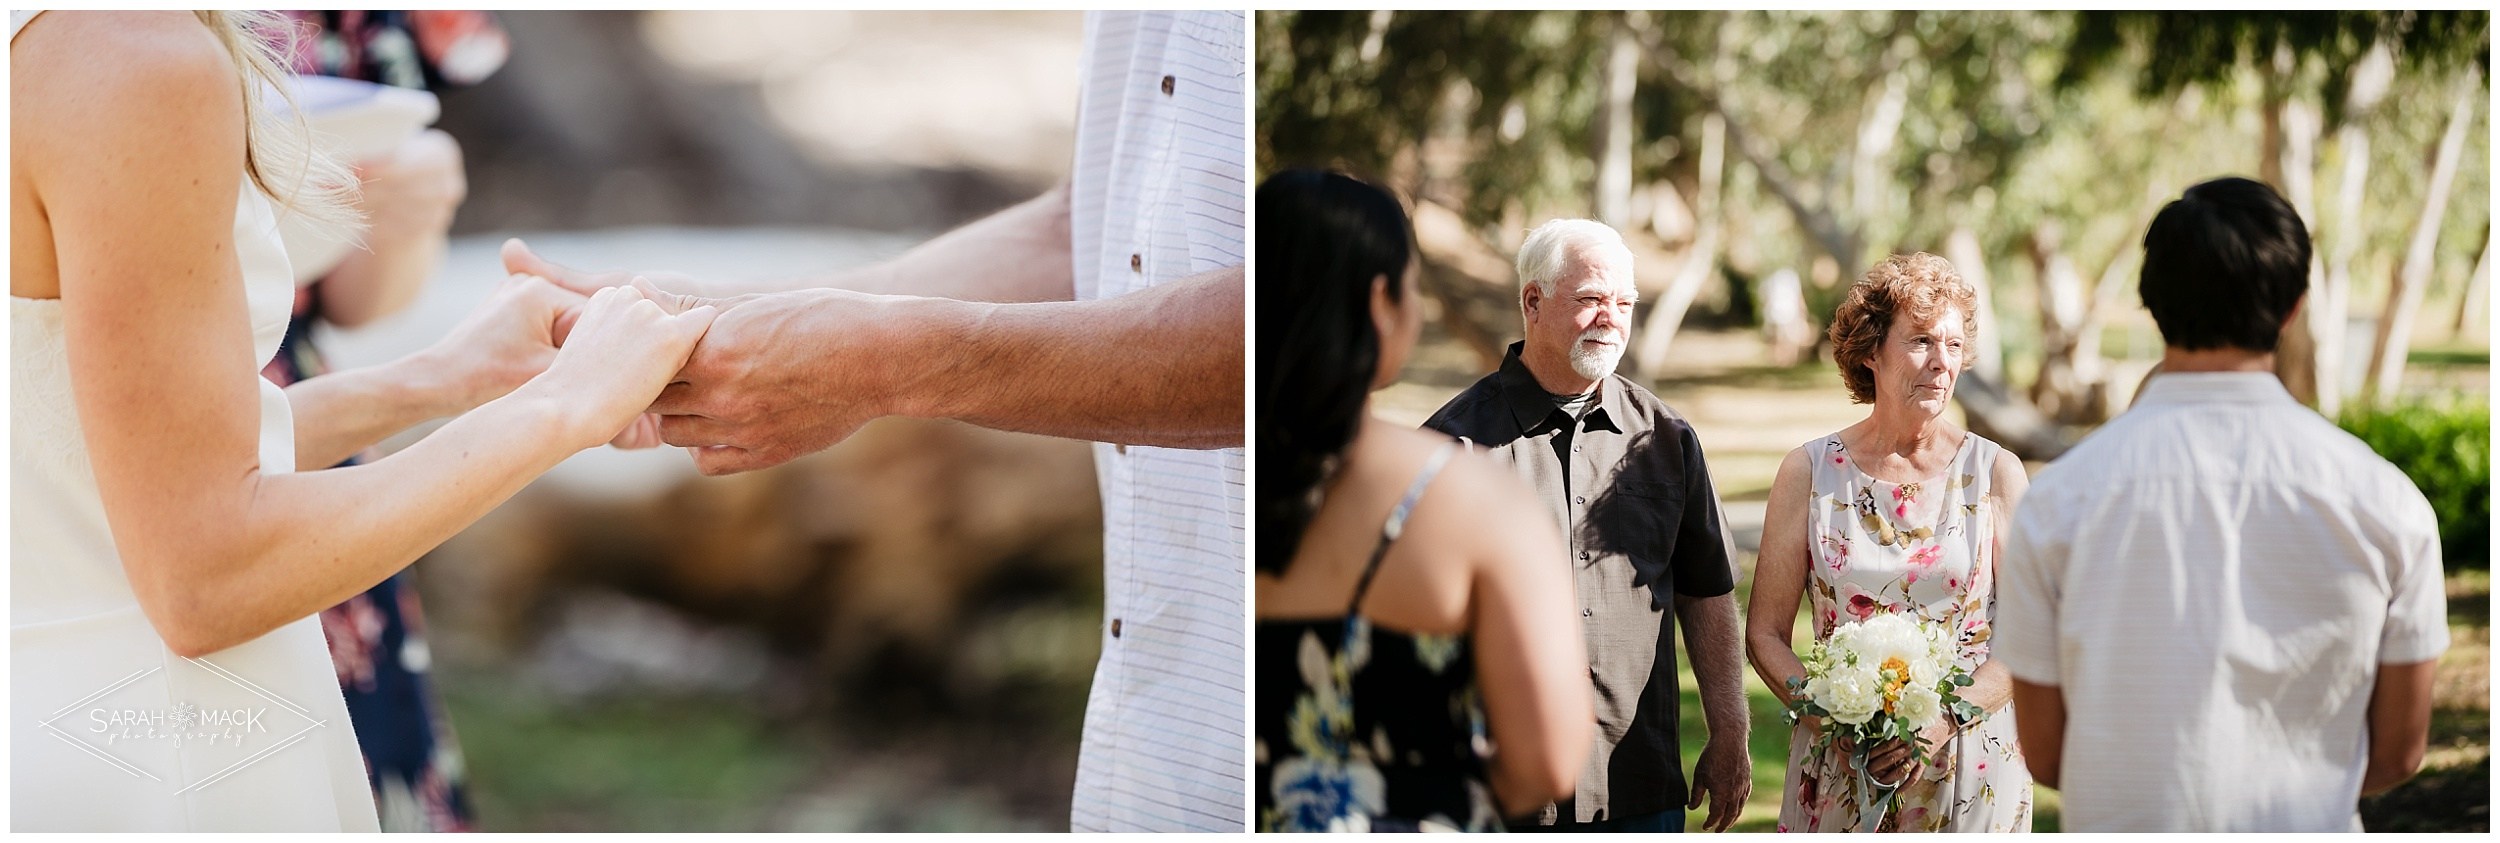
(1397, 521)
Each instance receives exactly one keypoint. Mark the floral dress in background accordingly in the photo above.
(377, 639)
(1927, 550)
(1360, 728)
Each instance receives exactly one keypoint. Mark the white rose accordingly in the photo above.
(1926, 672)
(1918, 706)
(1886, 638)
(1852, 694)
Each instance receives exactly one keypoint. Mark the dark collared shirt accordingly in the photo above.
(1627, 483)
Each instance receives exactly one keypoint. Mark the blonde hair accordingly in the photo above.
(306, 181)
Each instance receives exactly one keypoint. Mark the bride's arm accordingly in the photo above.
(507, 341)
(132, 128)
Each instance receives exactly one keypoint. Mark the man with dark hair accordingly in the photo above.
(2220, 611)
(2225, 266)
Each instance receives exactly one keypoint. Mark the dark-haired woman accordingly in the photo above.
(1418, 657)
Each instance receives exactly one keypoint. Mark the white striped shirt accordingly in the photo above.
(1157, 195)
(2212, 581)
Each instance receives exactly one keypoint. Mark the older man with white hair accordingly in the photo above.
(1624, 476)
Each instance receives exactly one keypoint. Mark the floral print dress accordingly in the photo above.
(377, 638)
(1361, 728)
(1925, 549)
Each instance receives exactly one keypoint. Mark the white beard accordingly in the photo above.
(1598, 362)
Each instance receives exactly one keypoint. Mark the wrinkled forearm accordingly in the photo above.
(1021, 254)
(1712, 639)
(1158, 367)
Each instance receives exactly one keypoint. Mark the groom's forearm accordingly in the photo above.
(2042, 729)
(1159, 367)
(1020, 254)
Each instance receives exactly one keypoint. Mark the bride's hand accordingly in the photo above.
(616, 358)
(507, 340)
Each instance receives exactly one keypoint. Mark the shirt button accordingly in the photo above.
(1167, 86)
(1136, 263)
(1584, 556)
(1584, 613)
(1577, 448)
(1115, 627)
(1122, 450)
(1577, 499)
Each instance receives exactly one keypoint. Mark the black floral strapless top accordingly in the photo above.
(1362, 728)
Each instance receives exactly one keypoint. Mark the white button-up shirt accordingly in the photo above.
(1157, 195)
(2212, 581)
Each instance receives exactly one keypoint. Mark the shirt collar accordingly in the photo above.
(1531, 405)
(2181, 388)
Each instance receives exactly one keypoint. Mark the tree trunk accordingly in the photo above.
(1614, 130)
(1994, 412)
(2404, 298)
(1870, 166)
(1843, 241)
(2070, 388)
(1657, 332)
(1475, 285)
(2330, 290)
(1961, 247)
(2312, 354)
(2477, 291)
(2285, 163)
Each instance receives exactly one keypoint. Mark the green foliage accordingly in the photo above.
(2446, 449)
(2181, 49)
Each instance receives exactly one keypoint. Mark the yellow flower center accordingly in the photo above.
(1896, 675)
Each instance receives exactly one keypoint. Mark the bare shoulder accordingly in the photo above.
(121, 50)
(1477, 503)
(1796, 471)
(146, 98)
(140, 66)
(2008, 476)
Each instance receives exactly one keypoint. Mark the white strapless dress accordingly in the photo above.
(111, 730)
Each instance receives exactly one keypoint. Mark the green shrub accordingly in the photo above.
(2446, 449)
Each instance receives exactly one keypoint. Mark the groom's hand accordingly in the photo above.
(777, 377)
(519, 260)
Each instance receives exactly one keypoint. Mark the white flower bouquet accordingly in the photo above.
(1883, 678)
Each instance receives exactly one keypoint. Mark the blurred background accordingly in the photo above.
(1758, 162)
(895, 634)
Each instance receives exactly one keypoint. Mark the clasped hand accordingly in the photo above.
(777, 376)
(1893, 763)
(601, 357)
